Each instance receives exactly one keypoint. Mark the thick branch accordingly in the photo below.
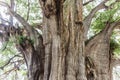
(26, 25)
(87, 2)
(88, 19)
(108, 30)
(12, 2)
(31, 32)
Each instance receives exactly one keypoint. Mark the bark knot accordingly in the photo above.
(49, 9)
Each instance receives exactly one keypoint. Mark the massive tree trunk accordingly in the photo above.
(98, 57)
(58, 54)
(64, 42)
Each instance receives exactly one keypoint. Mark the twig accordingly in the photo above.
(19, 61)
(87, 2)
(8, 72)
(2, 67)
(28, 10)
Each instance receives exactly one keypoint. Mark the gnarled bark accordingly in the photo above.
(34, 58)
(64, 44)
(98, 49)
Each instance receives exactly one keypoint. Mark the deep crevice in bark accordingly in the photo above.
(90, 68)
(34, 58)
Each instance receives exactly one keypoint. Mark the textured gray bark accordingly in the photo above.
(98, 49)
(64, 44)
(59, 53)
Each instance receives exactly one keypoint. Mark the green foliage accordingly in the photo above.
(103, 17)
(22, 39)
(8, 47)
(114, 44)
(109, 2)
(31, 41)
(4, 46)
